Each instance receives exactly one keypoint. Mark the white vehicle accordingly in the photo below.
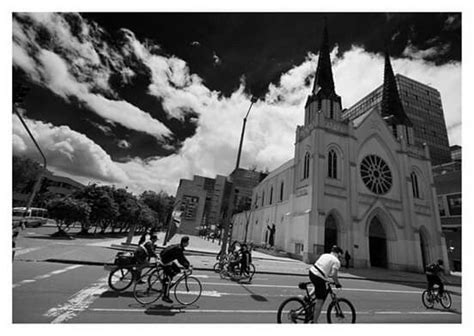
(33, 218)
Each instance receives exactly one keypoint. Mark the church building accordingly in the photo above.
(362, 184)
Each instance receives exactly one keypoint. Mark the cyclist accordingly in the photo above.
(143, 253)
(245, 260)
(168, 256)
(326, 266)
(434, 272)
(234, 259)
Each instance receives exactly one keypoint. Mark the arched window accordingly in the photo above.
(271, 195)
(331, 111)
(414, 185)
(332, 164)
(263, 198)
(319, 104)
(281, 191)
(306, 166)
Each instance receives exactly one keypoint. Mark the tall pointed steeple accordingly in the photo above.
(392, 108)
(323, 80)
(323, 98)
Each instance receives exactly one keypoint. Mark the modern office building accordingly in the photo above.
(205, 201)
(448, 183)
(363, 183)
(422, 104)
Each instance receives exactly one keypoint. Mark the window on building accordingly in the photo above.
(454, 204)
(263, 198)
(319, 104)
(394, 131)
(299, 248)
(414, 185)
(442, 209)
(306, 166)
(331, 110)
(332, 164)
(271, 195)
(281, 191)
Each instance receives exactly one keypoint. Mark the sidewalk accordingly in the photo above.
(202, 255)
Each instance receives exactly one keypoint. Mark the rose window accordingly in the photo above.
(376, 174)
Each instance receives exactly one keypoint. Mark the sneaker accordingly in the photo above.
(167, 299)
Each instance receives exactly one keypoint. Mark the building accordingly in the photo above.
(363, 183)
(422, 105)
(61, 185)
(55, 184)
(456, 153)
(448, 183)
(205, 201)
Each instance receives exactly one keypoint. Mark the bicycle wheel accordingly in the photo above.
(427, 299)
(251, 270)
(341, 311)
(217, 267)
(445, 300)
(149, 288)
(120, 279)
(187, 290)
(292, 310)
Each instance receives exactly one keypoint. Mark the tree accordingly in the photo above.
(104, 210)
(128, 208)
(25, 173)
(158, 202)
(67, 210)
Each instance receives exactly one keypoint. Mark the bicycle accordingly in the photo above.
(235, 275)
(124, 273)
(187, 289)
(297, 310)
(221, 263)
(430, 296)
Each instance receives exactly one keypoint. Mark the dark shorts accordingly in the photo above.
(320, 287)
(171, 270)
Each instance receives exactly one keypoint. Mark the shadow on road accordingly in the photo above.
(254, 296)
(114, 294)
(162, 310)
(446, 310)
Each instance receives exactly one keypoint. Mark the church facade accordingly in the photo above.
(361, 184)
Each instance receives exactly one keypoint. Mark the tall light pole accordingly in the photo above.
(252, 100)
(18, 95)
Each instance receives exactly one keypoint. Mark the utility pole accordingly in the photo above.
(19, 93)
(252, 100)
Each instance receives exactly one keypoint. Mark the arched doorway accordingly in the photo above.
(330, 233)
(377, 244)
(425, 257)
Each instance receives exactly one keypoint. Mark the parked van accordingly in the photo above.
(34, 218)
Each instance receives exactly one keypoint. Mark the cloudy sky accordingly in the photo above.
(144, 99)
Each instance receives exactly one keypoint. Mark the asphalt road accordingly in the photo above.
(45, 292)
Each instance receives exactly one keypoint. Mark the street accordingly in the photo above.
(55, 292)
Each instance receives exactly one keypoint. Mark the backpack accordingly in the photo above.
(432, 268)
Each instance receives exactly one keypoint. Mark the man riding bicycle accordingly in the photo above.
(326, 266)
(168, 256)
(143, 253)
(434, 272)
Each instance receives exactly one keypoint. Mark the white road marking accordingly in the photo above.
(20, 251)
(45, 276)
(245, 311)
(294, 287)
(77, 303)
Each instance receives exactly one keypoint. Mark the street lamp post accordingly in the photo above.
(18, 95)
(252, 100)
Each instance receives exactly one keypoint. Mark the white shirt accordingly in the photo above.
(328, 264)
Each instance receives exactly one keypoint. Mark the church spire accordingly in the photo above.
(323, 80)
(392, 108)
